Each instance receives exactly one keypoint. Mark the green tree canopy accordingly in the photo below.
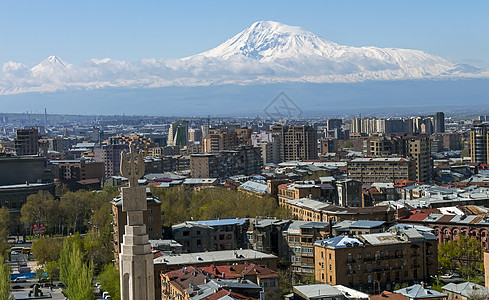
(110, 281)
(5, 292)
(46, 250)
(180, 204)
(4, 229)
(40, 208)
(463, 255)
(75, 273)
(52, 270)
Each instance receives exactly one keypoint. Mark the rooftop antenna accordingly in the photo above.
(45, 117)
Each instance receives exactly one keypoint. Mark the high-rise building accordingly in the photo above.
(479, 143)
(439, 122)
(195, 134)
(270, 152)
(334, 124)
(111, 156)
(218, 140)
(178, 133)
(419, 150)
(296, 142)
(27, 141)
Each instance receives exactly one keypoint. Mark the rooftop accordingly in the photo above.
(317, 291)
(342, 241)
(212, 257)
(417, 291)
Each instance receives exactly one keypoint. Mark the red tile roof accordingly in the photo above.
(416, 216)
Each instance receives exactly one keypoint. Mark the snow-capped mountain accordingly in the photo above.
(266, 52)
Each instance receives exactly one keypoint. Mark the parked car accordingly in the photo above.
(450, 276)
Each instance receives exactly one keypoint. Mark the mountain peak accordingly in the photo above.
(270, 40)
(53, 59)
(278, 28)
(51, 65)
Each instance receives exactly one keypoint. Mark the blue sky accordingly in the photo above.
(130, 30)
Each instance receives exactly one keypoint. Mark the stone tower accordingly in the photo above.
(136, 260)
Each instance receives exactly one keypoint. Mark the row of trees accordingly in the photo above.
(5, 291)
(4, 229)
(180, 204)
(75, 260)
(72, 212)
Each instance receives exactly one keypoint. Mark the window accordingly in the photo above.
(330, 267)
(150, 219)
(150, 229)
(150, 210)
(199, 242)
(186, 233)
(330, 256)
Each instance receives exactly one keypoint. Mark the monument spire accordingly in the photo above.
(136, 259)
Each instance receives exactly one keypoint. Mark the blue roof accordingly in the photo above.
(341, 241)
(367, 224)
(222, 222)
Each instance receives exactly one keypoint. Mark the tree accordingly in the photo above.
(98, 249)
(52, 270)
(110, 281)
(74, 272)
(5, 292)
(46, 250)
(463, 255)
(40, 208)
(180, 204)
(4, 229)
(76, 207)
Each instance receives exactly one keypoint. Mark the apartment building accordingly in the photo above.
(377, 261)
(244, 160)
(289, 191)
(312, 210)
(369, 170)
(27, 141)
(300, 237)
(479, 143)
(296, 142)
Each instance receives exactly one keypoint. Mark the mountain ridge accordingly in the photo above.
(266, 52)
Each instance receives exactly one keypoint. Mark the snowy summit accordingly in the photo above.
(266, 52)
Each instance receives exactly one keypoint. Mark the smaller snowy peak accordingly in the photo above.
(55, 61)
(51, 62)
(52, 66)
